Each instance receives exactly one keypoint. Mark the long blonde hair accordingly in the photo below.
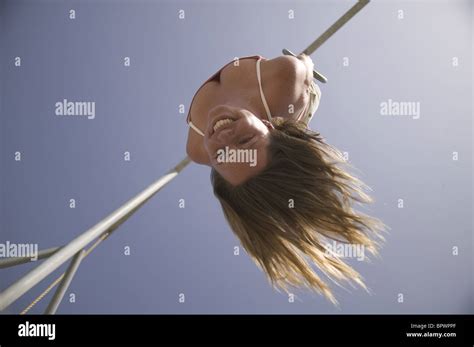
(284, 215)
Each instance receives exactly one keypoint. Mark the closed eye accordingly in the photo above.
(245, 140)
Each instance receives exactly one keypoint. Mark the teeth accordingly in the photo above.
(221, 123)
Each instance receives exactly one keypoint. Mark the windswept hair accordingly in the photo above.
(285, 215)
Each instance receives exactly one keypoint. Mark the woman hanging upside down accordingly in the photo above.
(284, 191)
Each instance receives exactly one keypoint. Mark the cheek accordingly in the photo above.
(207, 145)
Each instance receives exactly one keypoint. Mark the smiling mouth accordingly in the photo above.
(221, 123)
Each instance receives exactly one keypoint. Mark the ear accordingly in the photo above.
(268, 124)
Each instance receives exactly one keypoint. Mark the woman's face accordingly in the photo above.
(237, 142)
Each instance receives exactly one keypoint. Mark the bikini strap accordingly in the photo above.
(196, 129)
(264, 101)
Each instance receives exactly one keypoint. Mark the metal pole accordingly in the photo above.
(327, 34)
(65, 282)
(21, 260)
(336, 26)
(113, 220)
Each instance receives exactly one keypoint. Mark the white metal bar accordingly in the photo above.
(22, 260)
(112, 221)
(65, 282)
(328, 33)
(336, 26)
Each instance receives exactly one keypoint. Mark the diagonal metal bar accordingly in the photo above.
(8, 262)
(336, 26)
(65, 282)
(113, 220)
(59, 278)
(327, 34)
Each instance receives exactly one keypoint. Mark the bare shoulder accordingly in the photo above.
(286, 67)
(285, 79)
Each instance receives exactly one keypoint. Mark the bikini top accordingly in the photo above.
(304, 116)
